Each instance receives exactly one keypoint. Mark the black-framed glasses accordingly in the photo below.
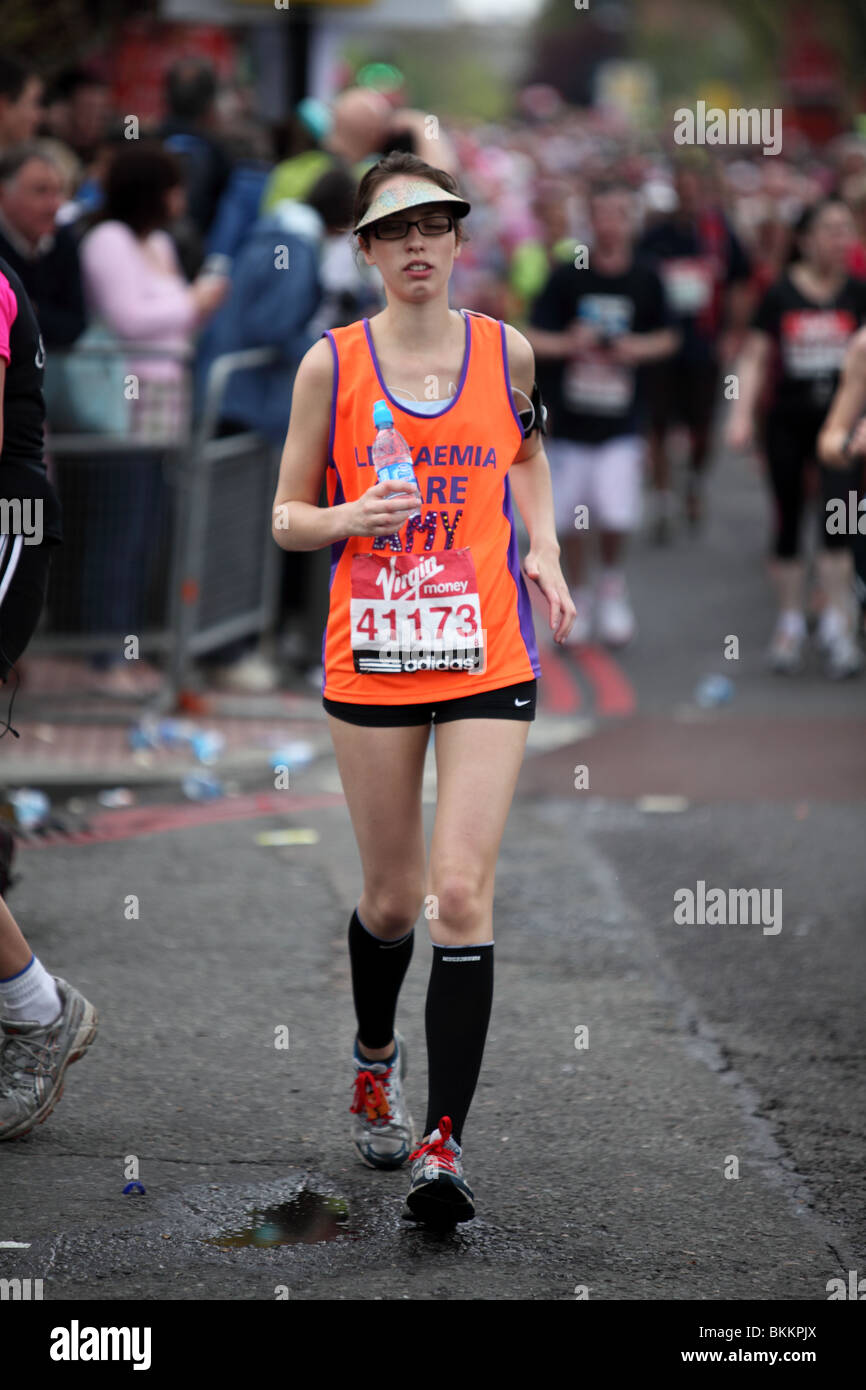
(434, 224)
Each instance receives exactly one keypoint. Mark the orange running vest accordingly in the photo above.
(456, 563)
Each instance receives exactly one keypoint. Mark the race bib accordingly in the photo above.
(688, 284)
(814, 341)
(596, 387)
(416, 613)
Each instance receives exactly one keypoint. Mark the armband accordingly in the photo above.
(536, 418)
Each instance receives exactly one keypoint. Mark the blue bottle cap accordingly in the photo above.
(382, 414)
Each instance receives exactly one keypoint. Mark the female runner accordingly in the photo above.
(399, 583)
(802, 329)
(842, 445)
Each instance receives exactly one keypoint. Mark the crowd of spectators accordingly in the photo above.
(165, 238)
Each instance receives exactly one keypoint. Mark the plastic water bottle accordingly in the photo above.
(198, 786)
(714, 690)
(174, 732)
(144, 734)
(295, 755)
(391, 457)
(207, 745)
(31, 807)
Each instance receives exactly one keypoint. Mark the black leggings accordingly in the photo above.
(23, 583)
(790, 448)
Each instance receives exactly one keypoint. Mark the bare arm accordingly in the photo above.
(846, 407)
(751, 370)
(298, 522)
(549, 345)
(530, 471)
(533, 492)
(739, 304)
(633, 349)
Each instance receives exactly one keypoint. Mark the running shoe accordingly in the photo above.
(830, 624)
(34, 1057)
(382, 1130)
(844, 657)
(614, 616)
(439, 1194)
(785, 652)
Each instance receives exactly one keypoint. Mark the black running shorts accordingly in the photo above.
(23, 583)
(682, 391)
(508, 702)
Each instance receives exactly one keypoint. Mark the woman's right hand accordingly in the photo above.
(209, 292)
(581, 337)
(379, 513)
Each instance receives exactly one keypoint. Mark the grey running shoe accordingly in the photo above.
(34, 1057)
(844, 658)
(785, 652)
(382, 1130)
(439, 1194)
(836, 637)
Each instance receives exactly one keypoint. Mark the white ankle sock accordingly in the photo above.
(31, 994)
(792, 622)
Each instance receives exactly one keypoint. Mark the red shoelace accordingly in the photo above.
(436, 1147)
(370, 1096)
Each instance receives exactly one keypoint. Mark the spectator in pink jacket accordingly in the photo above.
(134, 286)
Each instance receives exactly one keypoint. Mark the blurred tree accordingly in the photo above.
(454, 72)
(840, 23)
(741, 42)
(570, 43)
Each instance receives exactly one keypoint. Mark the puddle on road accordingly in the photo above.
(307, 1220)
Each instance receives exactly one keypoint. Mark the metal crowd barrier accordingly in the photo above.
(169, 541)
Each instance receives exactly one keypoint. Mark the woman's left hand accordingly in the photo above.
(840, 449)
(544, 568)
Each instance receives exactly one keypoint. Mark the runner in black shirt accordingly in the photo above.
(599, 324)
(44, 1022)
(701, 262)
(801, 331)
(22, 466)
(842, 444)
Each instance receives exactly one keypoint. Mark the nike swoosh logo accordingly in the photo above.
(523, 702)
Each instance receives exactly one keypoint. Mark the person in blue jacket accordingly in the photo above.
(276, 290)
(292, 276)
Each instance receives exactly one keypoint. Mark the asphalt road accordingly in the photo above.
(713, 1050)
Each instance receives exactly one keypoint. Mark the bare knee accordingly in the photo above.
(390, 912)
(460, 902)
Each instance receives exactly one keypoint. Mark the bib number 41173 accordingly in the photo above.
(412, 613)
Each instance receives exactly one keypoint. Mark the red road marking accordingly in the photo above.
(614, 691)
(560, 692)
(129, 823)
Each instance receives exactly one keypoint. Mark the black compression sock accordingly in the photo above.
(378, 968)
(459, 1000)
